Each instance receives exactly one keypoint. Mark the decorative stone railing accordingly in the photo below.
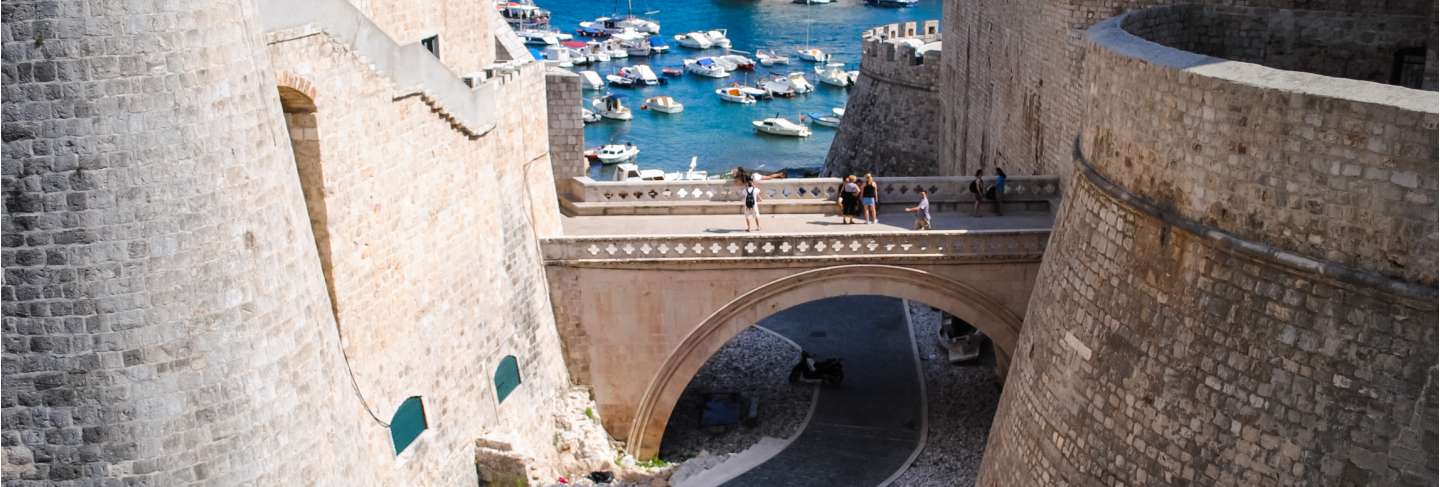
(961, 244)
(892, 190)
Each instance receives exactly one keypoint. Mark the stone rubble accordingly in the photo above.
(962, 401)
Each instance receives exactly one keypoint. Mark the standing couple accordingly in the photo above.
(995, 192)
(859, 200)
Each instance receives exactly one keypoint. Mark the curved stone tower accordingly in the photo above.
(166, 321)
(1241, 286)
(892, 118)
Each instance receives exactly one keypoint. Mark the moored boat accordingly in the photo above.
(694, 40)
(718, 39)
(616, 153)
(771, 58)
(672, 71)
(663, 104)
(588, 116)
(823, 119)
(706, 66)
(781, 126)
(799, 83)
(813, 55)
(739, 62)
(833, 74)
(734, 94)
(611, 107)
(590, 80)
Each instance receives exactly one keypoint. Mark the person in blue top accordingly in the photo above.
(999, 189)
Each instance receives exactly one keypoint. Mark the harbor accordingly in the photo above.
(725, 107)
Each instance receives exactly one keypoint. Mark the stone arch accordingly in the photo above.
(297, 101)
(956, 298)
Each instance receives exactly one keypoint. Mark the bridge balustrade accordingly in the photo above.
(953, 244)
(586, 196)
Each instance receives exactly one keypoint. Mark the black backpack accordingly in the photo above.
(750, 197)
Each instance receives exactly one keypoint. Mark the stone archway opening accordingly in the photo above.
(666, 387)
(304, 131)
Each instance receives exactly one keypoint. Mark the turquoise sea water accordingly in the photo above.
(719, 132)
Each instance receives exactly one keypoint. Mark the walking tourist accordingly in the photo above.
(751, 208)
(869, 194)
(999, 189)
(922, 212)
(977, 190)
(849, 200)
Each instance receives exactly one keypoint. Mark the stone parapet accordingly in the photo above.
(563, 100)
(989, 245)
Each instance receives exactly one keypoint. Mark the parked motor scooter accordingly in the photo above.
(809, 370)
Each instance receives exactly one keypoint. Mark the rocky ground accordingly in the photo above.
(962, 402)
(755, 363)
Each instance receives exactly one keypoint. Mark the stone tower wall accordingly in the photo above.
(891, 122)
(165, 307)
(165, 317)
(1013, 77)
(567, 129)
(1240, 289)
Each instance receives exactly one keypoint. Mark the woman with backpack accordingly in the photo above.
(751, 207)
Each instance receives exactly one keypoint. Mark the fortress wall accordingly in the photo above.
(165, 316)
(567, 130)
(466, 28)
(1240, 288)
(1014, 75)
(436, 271)
(891, 122)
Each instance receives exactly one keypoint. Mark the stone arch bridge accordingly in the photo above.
(640, 314)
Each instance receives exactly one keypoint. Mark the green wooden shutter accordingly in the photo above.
(408, 422)
(507, 378)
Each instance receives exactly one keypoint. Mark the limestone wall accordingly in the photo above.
(1240, 289)
(891, 123)
(1013, 80)
(567, 131)
(165, 316)
(183, 304)
(466, 28)
(436, 274)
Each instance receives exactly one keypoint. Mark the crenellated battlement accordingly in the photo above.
(906, 53)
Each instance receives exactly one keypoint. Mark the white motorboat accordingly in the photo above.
(559, 56)
(771, 59)
(617, 153)
(641, 74)
(718, 39)
(621, 81)
(753, 91)
(611, 107)
(813, 55)
(694, 40)
(854, 77)
(781, 126)
(734, 94)
(631, 172)
(524, 15)
(833, 74)
(706, 67)
(778, 86)
(590, 80)
(588, 116)
(663, 104)
(690, 174)
(823, 119)
(739, 62)
(799, 83)
(838, 111)
(538, 37)
(618, 53)
(614, 25)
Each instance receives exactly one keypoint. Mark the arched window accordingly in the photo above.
(507, 378)
(408, 423)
